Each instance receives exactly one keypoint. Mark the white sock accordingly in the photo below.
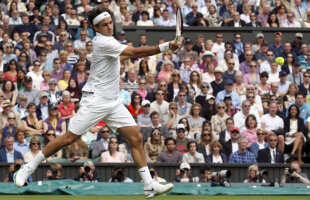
(145, 175)
(37, 160)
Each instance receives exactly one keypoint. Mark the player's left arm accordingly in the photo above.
(131, 52)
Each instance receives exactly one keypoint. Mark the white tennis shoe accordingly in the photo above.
(20, 177)
(154, 188)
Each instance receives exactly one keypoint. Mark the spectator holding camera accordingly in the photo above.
(294, 174)
(205, 174)
(12, 169)
(54, 173)
(118, 175)
(87, 173)
(155, 176)
(183, 174)
(254, 175)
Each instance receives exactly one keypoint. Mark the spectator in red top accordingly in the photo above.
(66, 108)
(135, 106)
(11, 71)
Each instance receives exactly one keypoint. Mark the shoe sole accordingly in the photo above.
(157, 194)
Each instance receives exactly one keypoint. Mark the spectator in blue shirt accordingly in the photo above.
(242, 155)
(303, 107)
(20, 144)
(124, 94)
(277, 47)
(228, 84)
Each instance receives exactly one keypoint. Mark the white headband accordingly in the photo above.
(100, 17)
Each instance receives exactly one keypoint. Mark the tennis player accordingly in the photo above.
(100, 100)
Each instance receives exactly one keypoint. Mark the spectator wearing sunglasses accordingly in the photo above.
(154, 145)
(144, 119)
(101, 145)
(35, 147)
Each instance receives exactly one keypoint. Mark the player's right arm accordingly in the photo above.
(145, 51)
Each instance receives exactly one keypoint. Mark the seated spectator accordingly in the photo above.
(66, 108)
(255, 101)
(194, 119)
(251, 129)
(32, 123)
(145, 21)
(252, 176)
(216, 156)
(225, 135)
(295, 132)
(166, 70)
(35, 147)
(218, 120)
(124, 94)
(283, 83)
(33, 95)
(87, 173)
(192, 156)
(271, 154)
(154, 145)
(242, 155)
(252, 78)
(181, 140)
(46, 74)
(204, 143)
(263, 87)
(20, 144)
(205, 93)
(188, 134)
(10, 128)
(288, 64)
(273, 21)
(239, 86)
(296, 76)
(230, 110)
(131, 85)
(160, 105)
(303, 107)
(54, 96)
(272, 123)
(305, 88)
(50, 135)
(231, 145)
(11, 72)
(7, 109)
(194, 83)
(289, 97)
(80, 43)
(64, 83)
(174, 118)
(228, 84)
(170, 155)
(135, 106)
(259, 144)
(142, 91)
(42, 108)
(102, 143)
(77, 150)
(113, 155)
(144, 119)
(9, 91)
(54, 121)
(297, 176)
(290, 22)
(274, 92)
(231, 71)
(8, 154)
(209, 109)
(74, 90)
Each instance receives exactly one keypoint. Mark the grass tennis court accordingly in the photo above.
(168, 197)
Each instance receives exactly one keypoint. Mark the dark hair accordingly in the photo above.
(95, 12)
(299, 94)
(248, 118)
(289, 111)
(191, 142)
(5, 81)
(263, 74)
(133, 95)
(154, 113)
(12, 61)
(31, 104)
(229, 118)
(141, 72)
(168, 139)
(180, 122)
(276, 21)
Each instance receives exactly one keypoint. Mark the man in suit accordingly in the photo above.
(236, 22)
(299, 13)
(271, 154)
(8, 154)
(102, 145)
(136, 16)
(231, 145)
(43, 107)
(254, 22)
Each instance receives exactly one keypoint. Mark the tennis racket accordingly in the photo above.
(179, 25)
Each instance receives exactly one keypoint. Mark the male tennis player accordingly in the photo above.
(100, 100)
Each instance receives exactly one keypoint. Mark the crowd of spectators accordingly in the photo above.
(210, 102)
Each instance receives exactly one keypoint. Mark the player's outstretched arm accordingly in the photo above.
(132, 52)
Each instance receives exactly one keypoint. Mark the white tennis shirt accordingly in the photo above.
(105, 67)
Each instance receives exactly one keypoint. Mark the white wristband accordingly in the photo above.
(164, 47)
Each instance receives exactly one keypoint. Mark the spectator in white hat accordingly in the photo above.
(144, 119)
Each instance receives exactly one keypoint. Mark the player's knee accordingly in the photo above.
(136, 140)
(70, 138)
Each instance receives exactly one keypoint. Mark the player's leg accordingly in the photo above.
(51, 148)
(151, 187)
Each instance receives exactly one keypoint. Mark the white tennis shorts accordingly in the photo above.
(95, 108)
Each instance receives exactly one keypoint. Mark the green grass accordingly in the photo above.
(168, 197)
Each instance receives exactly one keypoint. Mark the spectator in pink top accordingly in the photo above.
(166, 69)
(113, 155)
(250, 132)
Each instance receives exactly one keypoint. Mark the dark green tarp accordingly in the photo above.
(70, 187)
